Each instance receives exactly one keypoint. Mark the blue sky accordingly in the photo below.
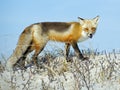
(15, 15)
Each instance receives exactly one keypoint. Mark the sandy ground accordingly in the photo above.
(101, 72)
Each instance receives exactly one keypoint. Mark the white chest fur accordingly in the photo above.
(83, 37)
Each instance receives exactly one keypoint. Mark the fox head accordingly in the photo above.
(89, 26)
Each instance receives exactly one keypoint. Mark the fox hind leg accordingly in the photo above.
(35, 56)
(39, 45)
(21, 62)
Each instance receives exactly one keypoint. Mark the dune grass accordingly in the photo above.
(100, 72)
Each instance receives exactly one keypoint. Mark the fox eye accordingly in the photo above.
(93, 28)
(86, 29)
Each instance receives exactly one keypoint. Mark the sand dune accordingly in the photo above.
(101, 72)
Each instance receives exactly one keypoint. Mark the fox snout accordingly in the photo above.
(90, 35)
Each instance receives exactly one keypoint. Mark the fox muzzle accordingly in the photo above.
(90, 36)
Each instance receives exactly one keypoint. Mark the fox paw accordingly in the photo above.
(85, 58)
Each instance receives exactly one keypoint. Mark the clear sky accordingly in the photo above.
(15, 15)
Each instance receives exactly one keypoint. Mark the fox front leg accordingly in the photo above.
(67, 50)
(78, 52)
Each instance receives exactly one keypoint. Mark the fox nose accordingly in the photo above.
(90, 36)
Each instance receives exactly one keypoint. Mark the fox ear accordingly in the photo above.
(81, 20)
(96, 19)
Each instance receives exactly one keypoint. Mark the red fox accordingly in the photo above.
(36, 36)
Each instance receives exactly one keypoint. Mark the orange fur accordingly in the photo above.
(76, 31)
(72, 36)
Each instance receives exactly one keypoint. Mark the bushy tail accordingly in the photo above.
(24, 42)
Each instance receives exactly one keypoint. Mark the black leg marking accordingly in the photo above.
(21, 62)
(35, 56)
(78, 52)
(67, 49)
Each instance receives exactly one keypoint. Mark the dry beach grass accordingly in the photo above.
(101, 72)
